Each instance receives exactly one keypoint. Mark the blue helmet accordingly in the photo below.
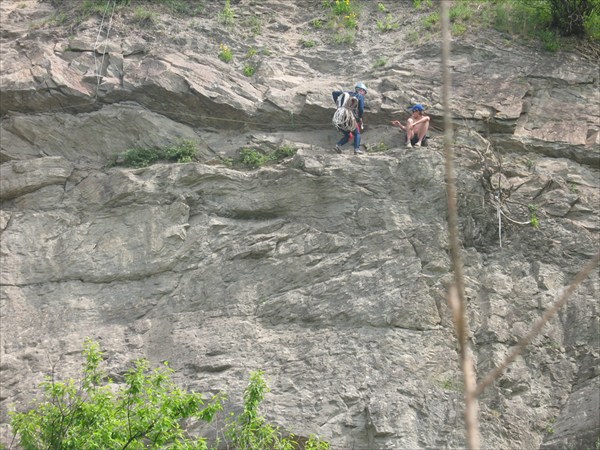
(360, 86)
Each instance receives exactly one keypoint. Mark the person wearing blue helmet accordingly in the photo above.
(416, 127)
(355, 101)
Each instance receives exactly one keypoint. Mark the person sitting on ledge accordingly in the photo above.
(416, 127)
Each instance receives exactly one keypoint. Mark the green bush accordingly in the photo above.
(251, 431)
(94, 7)
(550, 40)
(340, 7)
(432, 20)
(569, 17)
(252, 158)
(94, 413)
(545, 20)
(422, 4)
(381, 62)
(144, 16)
(285, 152)
(225, 53)
(181, 152)
(185, 151)
(249, 70)
(255, 158)
(591, 24)
(227, 16)
(458, 29)
(344, 13)
(255, 25)
(141, 157)
(461, 11)
(533, 220)
(316, 23)
(564, 17)
(388, 24)
(148, 410)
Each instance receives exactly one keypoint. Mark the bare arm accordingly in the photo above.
(421, 120)
(397, 123)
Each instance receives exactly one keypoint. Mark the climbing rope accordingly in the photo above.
(99, 72)
(343, 118)
(496, 201)
(96, 72)
(499, 213)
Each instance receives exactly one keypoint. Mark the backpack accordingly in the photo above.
(344, 118)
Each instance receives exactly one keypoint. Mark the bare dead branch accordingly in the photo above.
(450, 173)
(470, 380)
(471, 402)
(456, 296)
(537, 327)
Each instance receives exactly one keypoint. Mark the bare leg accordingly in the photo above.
(422, 130)
(409, 131)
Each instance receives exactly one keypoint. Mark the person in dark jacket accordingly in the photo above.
(358, 108)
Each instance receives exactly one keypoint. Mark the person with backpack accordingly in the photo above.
(349, 114)
(416, 127)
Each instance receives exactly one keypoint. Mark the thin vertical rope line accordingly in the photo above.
(96, 45)
(99, 76)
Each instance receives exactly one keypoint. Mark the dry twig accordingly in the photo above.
(537, 327)
(456, 295)
(457, 292)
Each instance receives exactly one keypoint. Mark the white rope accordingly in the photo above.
(343, 118)
(513, 220)
(499, 212)
(96, 45)
(99, 74)
(496, 202)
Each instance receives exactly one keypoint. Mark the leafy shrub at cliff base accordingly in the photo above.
(147, 411)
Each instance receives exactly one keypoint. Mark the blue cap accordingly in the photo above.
(417, 107)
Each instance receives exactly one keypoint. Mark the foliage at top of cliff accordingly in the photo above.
(549, 21)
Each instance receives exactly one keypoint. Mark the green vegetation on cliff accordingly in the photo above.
(147, 410)
(548, 20)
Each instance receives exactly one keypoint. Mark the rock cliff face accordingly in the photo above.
(327, 271)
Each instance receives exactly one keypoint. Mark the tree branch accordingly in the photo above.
(537, 327)
(456, 296)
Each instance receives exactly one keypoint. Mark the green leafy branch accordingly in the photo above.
(147, 410)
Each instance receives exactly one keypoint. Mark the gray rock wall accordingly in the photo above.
(329, 272)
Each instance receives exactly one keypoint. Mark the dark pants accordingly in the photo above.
(415, 139)
(346, 138)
